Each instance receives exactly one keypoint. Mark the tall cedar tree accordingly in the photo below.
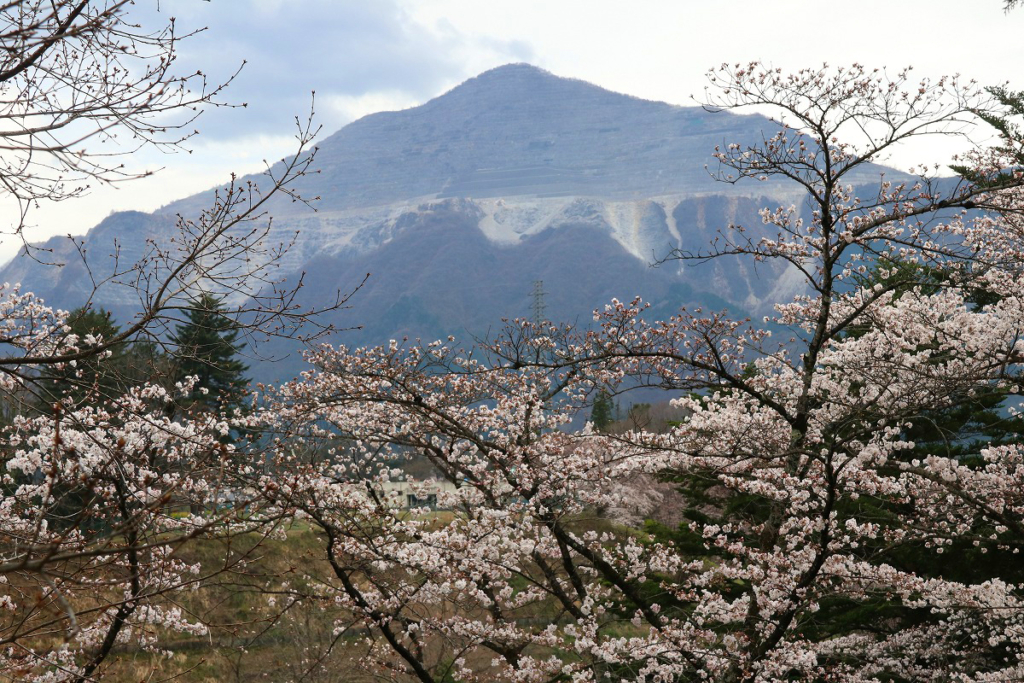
(207, 347)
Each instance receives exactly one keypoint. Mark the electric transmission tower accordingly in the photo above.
(539, 308)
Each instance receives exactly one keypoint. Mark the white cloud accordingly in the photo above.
(345, 108)
(174, 176)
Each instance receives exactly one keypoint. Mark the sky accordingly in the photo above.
(363, 56)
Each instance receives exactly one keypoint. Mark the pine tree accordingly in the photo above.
(207, 347)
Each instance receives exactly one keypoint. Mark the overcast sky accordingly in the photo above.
(363, 56)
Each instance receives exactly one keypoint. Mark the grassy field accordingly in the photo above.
(260, 635)
(252, 636)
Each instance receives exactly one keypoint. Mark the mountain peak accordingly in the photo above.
(515, 70)
(512, 73)
(514, 83)
(456, 206)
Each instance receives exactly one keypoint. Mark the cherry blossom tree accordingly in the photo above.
(102, 496)
(819, 544)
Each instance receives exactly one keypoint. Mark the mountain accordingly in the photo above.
(457, 206)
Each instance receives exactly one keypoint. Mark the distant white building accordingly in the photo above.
(417, 493)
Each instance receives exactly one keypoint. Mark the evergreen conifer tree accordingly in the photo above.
(207, 347)
(100, 377)
(90, 376)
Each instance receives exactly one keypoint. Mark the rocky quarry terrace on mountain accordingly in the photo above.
(457, 206)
